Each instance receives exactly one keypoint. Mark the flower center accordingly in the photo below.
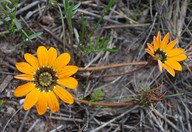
(161, 55)
(45, 79)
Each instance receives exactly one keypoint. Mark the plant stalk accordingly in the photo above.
(112, 66)
(104, 104)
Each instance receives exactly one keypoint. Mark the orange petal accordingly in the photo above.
(179, 57)
(68, 82)
(63, 94)
(52, 55)
(24, 89)
(24, 77)
(67, 71)
(174, 64)
(25, 68)
(159, 38)
(160, 65)
(52, 102)
(156, 44)
(174, 52)
(42, 55)
(32, 60)
(42, 103)
(31, 98)
(171, 45)
(61, 61)
(151, 47)
(169, 69)
(150, 52)
(165, 41)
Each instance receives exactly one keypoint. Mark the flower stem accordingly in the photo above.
(104, 104)
(112, 66)
(115, 75)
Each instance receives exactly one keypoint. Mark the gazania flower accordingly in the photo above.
(47, 74)
(165, 54)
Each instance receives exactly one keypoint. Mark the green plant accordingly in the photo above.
(99, 47)
(14, 24)
(9, 14)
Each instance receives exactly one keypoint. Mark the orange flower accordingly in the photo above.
(46, 74)
(165, 54)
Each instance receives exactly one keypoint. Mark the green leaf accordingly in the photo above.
(12, 1)
(5, 21)
(97, 42)
(1, 102)
(18, 24)
(76, 6)
(35, 35)
(74, 12)
(4, 12)
(4, 5)
(3, 35)
(54, 3)
(97, 95)
(102, 42)
(98, 92)
(110, 50)
(106, 43)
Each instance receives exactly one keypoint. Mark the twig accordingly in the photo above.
(33, 125)
(11, 118)
(39, 19)
(52, 34)
(128, 18)
(125, 25)
(23, 122)
(5, 82)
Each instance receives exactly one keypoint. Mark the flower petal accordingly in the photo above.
(150, 47)
(169, 69)
(150, 52)
(24, 89)
(174, 64)
(25, 68)
(63, 94)
(32, 60)
(180, 57)
(31, 98)
(24, 77)
(61, 61)
(68, 82)
(165, 41)
(156, 44)
(171, 45)
(52, 102)
(67, 71)
(159, 38)
(52, 55)
(174, 52)
(42, 103)
(42, 55)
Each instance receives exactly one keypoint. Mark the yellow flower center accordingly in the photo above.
(45, 79)
(161, 55)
